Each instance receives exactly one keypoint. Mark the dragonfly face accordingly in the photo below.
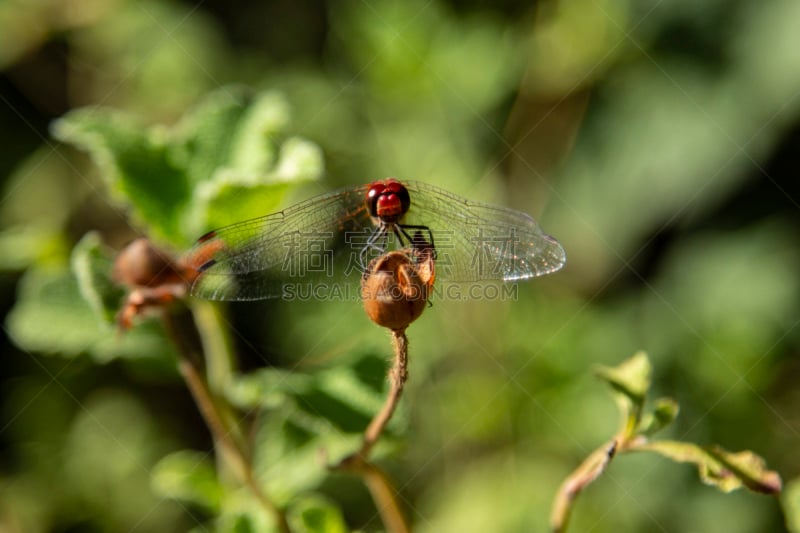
(388, 200)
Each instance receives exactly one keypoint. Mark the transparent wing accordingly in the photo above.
(308, 244)
(481, 242)
(257, 258)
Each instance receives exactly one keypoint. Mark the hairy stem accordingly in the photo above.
(383, 493)
(397, 379)
(591, 468)
(216, 344)
(380, 488)
(213, 413)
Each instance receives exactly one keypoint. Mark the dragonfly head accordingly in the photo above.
(388, 200)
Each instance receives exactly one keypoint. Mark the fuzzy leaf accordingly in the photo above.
(299, 160)
(222, 202)
(631, 381)
(226, 161)
(726, 470)
(240, 193)
(631, 378)
(92, 268)
(344, 398)
(136, 163)
(663, 414)
(51, 316)
(750, 468)
(316, 515)
(22, 246)
(349, 387)
(266, 388)
(242, 513)
(339, 395)
(188, 476)
(291, 449)
(206, 134)
(254, 146)
(313, 420)
(231, 147)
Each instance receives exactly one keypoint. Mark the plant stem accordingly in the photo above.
(397, 379)
(591, 468)
(378, 484)
(216, 344)
(219, 367)
(212, 413)
(380, 488)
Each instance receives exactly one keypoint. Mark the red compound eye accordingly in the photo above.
(388, 200)
(375, 189)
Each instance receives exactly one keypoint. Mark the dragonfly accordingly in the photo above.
(344, 230)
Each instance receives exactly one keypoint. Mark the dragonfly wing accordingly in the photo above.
(255, 259)
(475, 241)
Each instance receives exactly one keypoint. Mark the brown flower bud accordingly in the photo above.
(154, 279)
(140, 264)
(395, 287)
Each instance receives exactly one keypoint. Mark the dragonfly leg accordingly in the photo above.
(419, 241)
(376, 242)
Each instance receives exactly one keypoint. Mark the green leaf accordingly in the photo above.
(315, 514)
(725, 470)
(254, 146)
(147, 342)
(236, 134)
(205, 136)
(790, 500)
(222, 202)
(241, 512)
(23, 246)
(288, 456)
(266, 388)
(299, 160)
(231, 147)
(631, 378)
(339, 395)
(662, 415)
(750, 468)
(188, 476)
(349, 396)
(92, 267)
(347, 386)
(239, 134)
(239, 193)
(136, 163)
(223, 163)
(51, 316)
(631, 381)
(313, 420)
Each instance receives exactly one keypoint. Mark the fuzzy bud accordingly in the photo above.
(140, 264)
(395, 287)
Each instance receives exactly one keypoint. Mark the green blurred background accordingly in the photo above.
(657, 140)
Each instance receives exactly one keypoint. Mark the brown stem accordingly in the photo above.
(588, 471)
(397, 379)
(211, 413)
(378, 484)
(380, 488)
(208, 409)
